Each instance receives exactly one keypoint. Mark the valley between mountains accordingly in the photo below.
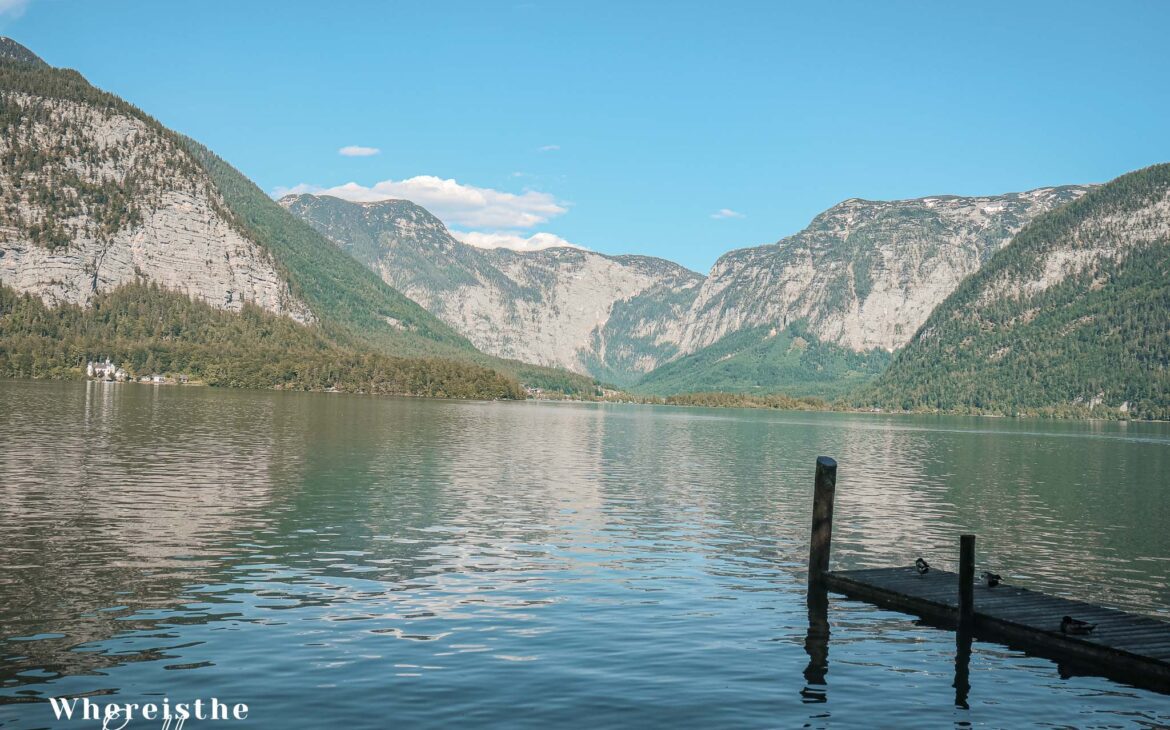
(121, 238)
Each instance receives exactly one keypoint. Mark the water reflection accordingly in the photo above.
(533, 564)
(963, 639)
(816, 644)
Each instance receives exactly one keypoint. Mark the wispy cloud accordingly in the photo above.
(450, 200)
(13, 8)
(724, 213)
(548, 148)
(352, 150)
(514, 241)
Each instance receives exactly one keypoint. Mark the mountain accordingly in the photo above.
(96, 196)
(1072, 316)
(610, 316)
(851, 287)
(864, 273)
(844, 292)
(12, 51)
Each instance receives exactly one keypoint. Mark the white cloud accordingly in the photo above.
(548, 148)
(452, 201)
(514, 241)
(352, 150)
(13, 8)
(727, 213)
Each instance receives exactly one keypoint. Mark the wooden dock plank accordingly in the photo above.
(1122, 641)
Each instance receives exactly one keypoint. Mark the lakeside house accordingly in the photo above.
(98, 370)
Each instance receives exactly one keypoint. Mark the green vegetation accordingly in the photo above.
(356, 308)
(356, 311)
(147, 330)
(49, 196)
(353, 304)
(1087, 346)
(740, 400)
(757, 361)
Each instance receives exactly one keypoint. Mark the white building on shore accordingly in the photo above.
(105, 371)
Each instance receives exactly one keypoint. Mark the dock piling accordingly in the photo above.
(966, 580)
(824, 491)
(1126, 646)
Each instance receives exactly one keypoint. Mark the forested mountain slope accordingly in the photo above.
(1072, 317)
(96, 196)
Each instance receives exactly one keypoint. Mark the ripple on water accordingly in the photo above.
(432, 563)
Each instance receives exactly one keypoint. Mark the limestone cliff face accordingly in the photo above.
(864, 274)
(609, 316)
(91, 197)
(605, 315)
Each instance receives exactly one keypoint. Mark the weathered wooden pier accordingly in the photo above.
(1126, 646)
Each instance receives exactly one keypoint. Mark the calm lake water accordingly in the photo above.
(342, 561)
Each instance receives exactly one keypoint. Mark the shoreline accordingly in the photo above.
(633, 401)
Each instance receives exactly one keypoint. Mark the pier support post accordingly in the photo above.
(966, 580)
(824, 491)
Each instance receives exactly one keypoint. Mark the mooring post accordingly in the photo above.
(824, 491)
(966, 579)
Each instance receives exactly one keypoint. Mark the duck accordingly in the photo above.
(991, 579)
(1070, 625)
(921, 566)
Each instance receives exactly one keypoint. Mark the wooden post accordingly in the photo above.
(824, 491)
(966, 580)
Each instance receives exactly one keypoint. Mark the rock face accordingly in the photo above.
(1072, 314)
(92, 197)
(611, 316)
(864, 274)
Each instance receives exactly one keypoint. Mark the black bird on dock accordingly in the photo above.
(1070, 625)
(991, 579)
(922, 566)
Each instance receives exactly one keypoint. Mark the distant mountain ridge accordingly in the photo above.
(564, 307)
(1053, 300)
(96, 196)
(862, 277)
(864, 273)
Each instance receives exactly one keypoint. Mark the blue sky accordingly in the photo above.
(627, 127)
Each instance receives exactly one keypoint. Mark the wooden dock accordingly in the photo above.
(1123, 645)
(1134, 646)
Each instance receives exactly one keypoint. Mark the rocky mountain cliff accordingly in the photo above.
(1072, 316)
(862, 277)
(100, 203)
(610, 316)
(864, 274)
(93, 195)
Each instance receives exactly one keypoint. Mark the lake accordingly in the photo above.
(348, 561)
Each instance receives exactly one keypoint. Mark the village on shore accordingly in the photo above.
(107, 371)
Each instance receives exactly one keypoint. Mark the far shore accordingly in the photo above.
(775, 401)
